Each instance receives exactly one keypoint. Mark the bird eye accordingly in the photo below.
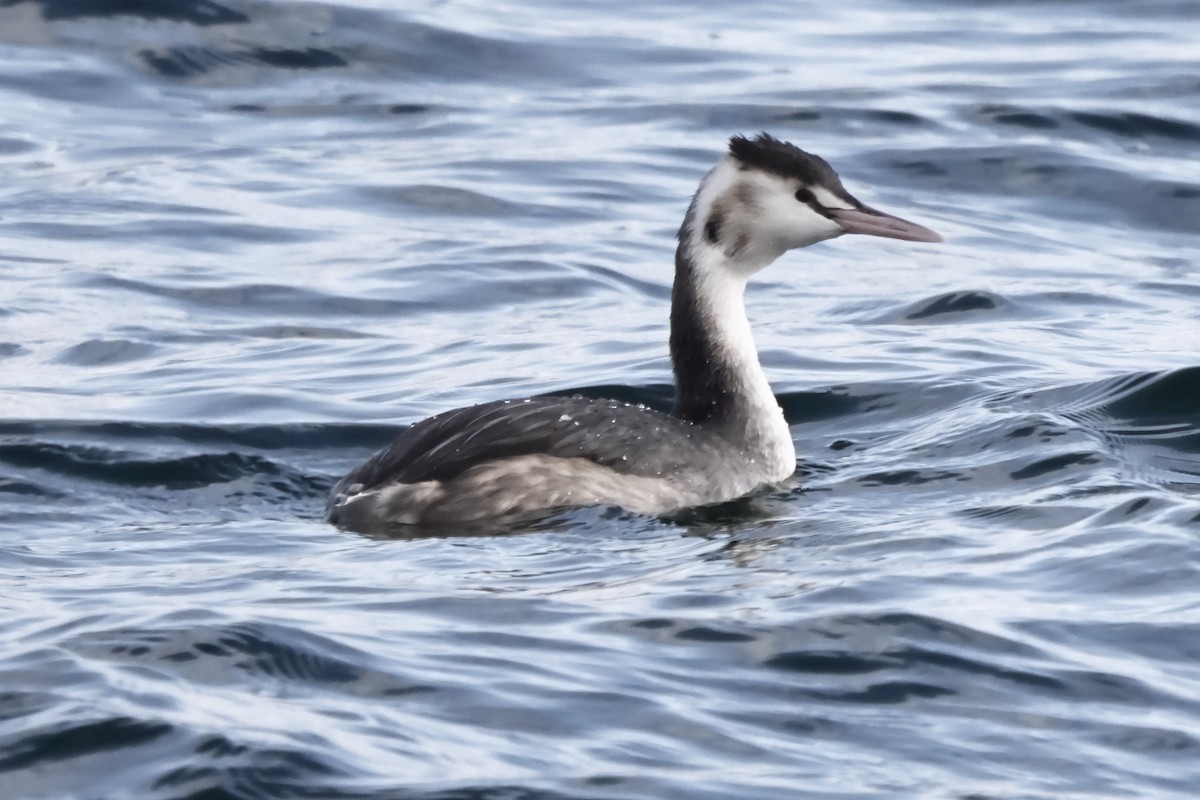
(805, 196)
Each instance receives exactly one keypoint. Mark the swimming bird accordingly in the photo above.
(726, 435)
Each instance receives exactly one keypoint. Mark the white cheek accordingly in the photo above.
(800, 226)
(828, 199)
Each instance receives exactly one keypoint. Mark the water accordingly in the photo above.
(243, 243)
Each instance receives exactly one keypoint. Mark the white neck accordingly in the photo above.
(719, 379)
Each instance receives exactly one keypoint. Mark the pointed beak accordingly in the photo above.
(876, 223)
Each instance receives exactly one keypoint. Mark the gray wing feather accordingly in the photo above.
(630, 439)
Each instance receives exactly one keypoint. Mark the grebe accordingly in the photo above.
(726, 436)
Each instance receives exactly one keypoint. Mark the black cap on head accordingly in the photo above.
(784, 159)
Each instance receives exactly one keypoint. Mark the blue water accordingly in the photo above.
(242, 243)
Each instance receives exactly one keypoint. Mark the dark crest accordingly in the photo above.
(769, 154)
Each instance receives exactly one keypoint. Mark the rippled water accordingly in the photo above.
(242, 243)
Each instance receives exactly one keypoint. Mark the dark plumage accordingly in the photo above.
(607, 432)
(784, 159)
(703, 385)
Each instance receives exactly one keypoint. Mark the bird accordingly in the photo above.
(504, 461)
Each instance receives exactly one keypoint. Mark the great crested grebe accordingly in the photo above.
(726, 435)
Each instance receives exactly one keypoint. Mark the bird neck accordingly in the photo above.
(718, 379)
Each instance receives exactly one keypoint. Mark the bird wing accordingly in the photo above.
(628, 438)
